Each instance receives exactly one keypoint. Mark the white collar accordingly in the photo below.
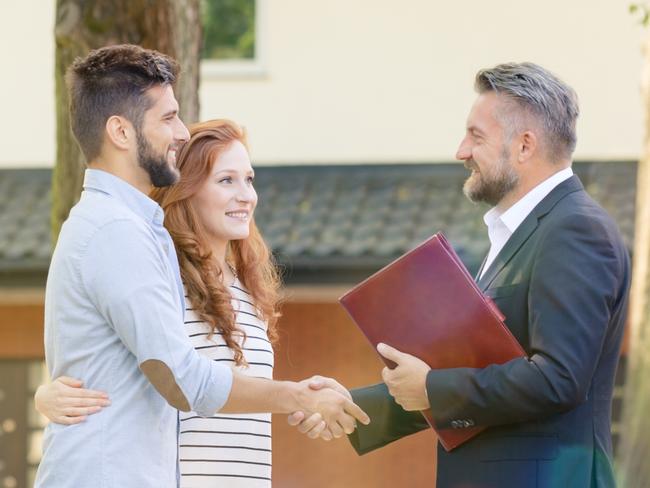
(515, 215)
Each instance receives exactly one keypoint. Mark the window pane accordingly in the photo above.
(228, 29)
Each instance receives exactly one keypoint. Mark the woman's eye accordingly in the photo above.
(227, 179)
(250, 180)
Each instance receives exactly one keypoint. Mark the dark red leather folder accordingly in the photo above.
(426, 303)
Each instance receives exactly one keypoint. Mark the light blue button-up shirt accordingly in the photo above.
(113, 300)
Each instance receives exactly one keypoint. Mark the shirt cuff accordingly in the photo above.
(217, 394)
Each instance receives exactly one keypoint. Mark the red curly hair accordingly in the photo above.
(200, 271)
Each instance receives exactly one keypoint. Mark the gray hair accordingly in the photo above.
(552, 103)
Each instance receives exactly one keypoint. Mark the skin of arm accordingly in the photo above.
(250, 394)
(64, 401)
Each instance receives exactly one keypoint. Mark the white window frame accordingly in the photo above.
(223, 69)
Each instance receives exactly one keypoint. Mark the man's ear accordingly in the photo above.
(119, 132)
(527, 146)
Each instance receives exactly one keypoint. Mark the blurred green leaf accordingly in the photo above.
(228, 29)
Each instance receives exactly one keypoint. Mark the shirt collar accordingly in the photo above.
(516, 214)
(134, 199)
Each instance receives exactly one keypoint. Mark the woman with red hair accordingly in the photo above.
(232, 296)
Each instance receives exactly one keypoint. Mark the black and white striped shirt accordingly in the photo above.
(232, 450)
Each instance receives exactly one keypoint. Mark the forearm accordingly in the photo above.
(249, 395)
(520, 390)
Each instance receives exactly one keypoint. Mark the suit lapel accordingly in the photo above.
(480, 270)
(517, 239)
(526, 229)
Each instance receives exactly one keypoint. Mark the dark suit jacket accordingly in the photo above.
(562, 282)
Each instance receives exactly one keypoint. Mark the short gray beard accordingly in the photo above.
(494, 190)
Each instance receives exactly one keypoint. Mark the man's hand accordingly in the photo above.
(314, 426)
(407, 381)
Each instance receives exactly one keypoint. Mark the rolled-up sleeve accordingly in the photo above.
(127, 277)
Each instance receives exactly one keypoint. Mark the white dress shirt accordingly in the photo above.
(502, 225)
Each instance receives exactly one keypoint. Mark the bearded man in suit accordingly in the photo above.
(559, 271)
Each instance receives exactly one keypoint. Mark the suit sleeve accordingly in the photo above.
(576, 278)
(388, 421)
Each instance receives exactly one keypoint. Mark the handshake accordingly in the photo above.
(328, 410)
(406, 383)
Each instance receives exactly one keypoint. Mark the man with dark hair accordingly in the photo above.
(559, 271)
(114, 299)
(114, 81)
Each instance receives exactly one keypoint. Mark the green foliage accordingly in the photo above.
(643, 10)
(228, 29)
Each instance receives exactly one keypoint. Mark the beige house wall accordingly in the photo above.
(367, 80)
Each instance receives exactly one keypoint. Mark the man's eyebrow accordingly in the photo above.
(170, 113)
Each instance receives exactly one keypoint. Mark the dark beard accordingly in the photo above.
(160, 172)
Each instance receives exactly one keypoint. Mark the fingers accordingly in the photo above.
(91, 394)
(84, 402)
(310, 423)
(295, 418)
(355, 411)
(74, 415)
(77, 391)
(347, 423)
(326, 435)
(390, 353)
(319, 382)
(386, 375)
(315, 433)
(63, 420)
(71, 382)
(314, 426)
(336, 429)
(71, 388)
(316, 382)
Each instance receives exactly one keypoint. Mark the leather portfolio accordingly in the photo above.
(426, 303)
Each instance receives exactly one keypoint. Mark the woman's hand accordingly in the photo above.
(64, 401)
(335, 414)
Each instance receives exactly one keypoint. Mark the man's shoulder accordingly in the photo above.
(579, 214)
(99, 217)
(97, 212)
(581, 206)
(101, 208)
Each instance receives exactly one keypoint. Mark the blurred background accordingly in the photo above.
(354, 111)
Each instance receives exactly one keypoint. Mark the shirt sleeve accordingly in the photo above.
(128, 278)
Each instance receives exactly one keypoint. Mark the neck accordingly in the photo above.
(529, 181)
(134, 176)
(219, 249)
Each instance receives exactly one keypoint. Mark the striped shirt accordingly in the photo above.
(232, 450)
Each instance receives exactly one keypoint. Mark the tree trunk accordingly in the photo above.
(172, 27)
(633, 466)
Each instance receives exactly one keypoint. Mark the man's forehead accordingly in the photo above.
(162, 98)
(483, 110)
